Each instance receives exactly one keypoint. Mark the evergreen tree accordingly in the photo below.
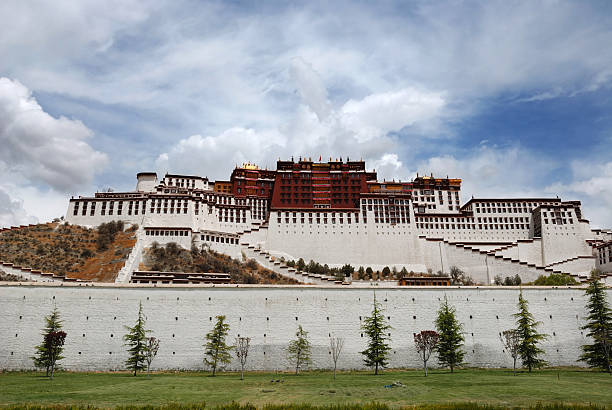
(46, 355)
(217, 353)
(450, 339)
(136, 339)
(361, 273)
(375, 326)
(298, 351)
(526, 325)
(599, 326)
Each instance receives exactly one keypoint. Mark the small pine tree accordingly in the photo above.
(217, 353)
(361, 273)
(301, 264)
(136, 340)
(48, 354)
(599, 326)
(298, 351)
(526, 325)
(451, 339)
(375, 326)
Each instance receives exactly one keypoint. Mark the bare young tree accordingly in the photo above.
(426, 342)
(511, 339)
(151, 349)
(335, 347)
(242, 352)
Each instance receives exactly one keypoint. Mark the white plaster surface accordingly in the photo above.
(95, 316)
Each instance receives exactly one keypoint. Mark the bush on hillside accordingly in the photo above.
(106, 234)
(554, 279)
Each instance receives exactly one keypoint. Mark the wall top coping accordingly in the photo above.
(273, 287)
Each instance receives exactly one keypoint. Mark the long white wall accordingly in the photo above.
(94, 318)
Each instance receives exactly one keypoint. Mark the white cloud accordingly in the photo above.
(215, 156)
(229, 75)
(591, 183)
(311, 87)
(359, 128)
(40, 147)
(12, 212)
(380, 113)
(493, 172)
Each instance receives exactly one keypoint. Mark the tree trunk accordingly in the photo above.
(607, 352)
(425, 366)
(214, 369)
(52, 366)
(334, 371)
(452, 368)
(47, 375)
(135, 370)
(242, 373)
(376, 369)
(514, 367)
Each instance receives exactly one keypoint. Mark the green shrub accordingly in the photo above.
(554, 279)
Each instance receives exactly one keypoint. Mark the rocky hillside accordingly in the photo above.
(88, 254)
(173, 258)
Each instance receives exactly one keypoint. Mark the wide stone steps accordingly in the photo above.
(536, 269)
(270, 262)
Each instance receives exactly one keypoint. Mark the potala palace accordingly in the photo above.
(337, 212)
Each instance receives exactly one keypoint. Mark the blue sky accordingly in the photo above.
(512, 96)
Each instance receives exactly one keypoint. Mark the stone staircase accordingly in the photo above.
(268, 261)
(35, 275)
(133, 260)
(15, 228)
(506, 263)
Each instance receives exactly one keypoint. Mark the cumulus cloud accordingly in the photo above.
(216, 155)
(490, 171)
(358, 128)
(44, 149)
(12, 212)
(368, 81)
(592, 183)
(380, 113)
(311, 87)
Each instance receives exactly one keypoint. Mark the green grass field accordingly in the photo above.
(494, 387)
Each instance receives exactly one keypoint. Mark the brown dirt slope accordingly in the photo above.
(173, 258)
(66, 250)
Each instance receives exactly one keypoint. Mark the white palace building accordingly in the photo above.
(337, 212)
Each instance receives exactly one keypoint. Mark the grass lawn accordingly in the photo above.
(496, 387)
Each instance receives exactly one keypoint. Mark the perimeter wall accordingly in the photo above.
(95, 316)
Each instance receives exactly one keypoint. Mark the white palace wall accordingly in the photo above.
(94, 318)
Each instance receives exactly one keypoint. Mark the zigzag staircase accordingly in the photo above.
(496, 253)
